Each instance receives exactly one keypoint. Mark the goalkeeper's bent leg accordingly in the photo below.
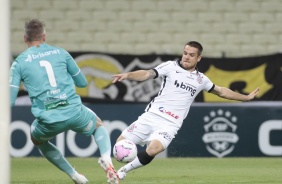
(53, 155)
(102, 139)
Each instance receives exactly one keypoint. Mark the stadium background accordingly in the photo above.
(242, 39)
(234, 27)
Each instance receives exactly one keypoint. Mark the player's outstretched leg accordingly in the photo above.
(53, 155)
(141, 160)
(109, 169)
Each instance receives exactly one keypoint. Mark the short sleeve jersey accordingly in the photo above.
(178, 90)
(46, 73)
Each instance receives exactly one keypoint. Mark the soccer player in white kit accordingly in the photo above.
(163, 116)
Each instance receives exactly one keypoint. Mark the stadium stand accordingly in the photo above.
(236, 28)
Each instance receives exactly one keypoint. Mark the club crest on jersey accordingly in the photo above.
(131, 127)
(220, 132)
(163, 110)
(199, 79)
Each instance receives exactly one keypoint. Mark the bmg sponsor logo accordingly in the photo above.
(186, 87)
(220, 132)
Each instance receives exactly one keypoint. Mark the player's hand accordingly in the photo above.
(253, 94)
(119, 77)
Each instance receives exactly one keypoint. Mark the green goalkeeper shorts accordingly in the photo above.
(84, 122)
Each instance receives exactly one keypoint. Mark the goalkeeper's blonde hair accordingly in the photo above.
(34, 30)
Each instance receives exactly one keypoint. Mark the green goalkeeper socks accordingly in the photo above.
(102, 139)
(53, 155)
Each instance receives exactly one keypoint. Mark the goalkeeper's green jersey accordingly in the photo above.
(48, 74)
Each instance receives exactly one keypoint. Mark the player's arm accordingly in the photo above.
(231, 95)
(138, 75)
(80, 79)
(14, 90)
(75, 72)
(15, 81)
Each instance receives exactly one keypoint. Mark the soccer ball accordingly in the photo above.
(125, 151)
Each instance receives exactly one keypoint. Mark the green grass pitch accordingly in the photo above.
(37, 170)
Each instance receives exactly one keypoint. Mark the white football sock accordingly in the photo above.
(132, 165)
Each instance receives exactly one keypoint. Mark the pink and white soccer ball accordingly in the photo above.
(125, 151)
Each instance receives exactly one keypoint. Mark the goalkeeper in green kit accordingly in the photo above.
(50, 75)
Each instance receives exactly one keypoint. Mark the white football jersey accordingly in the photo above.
(178, 91)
